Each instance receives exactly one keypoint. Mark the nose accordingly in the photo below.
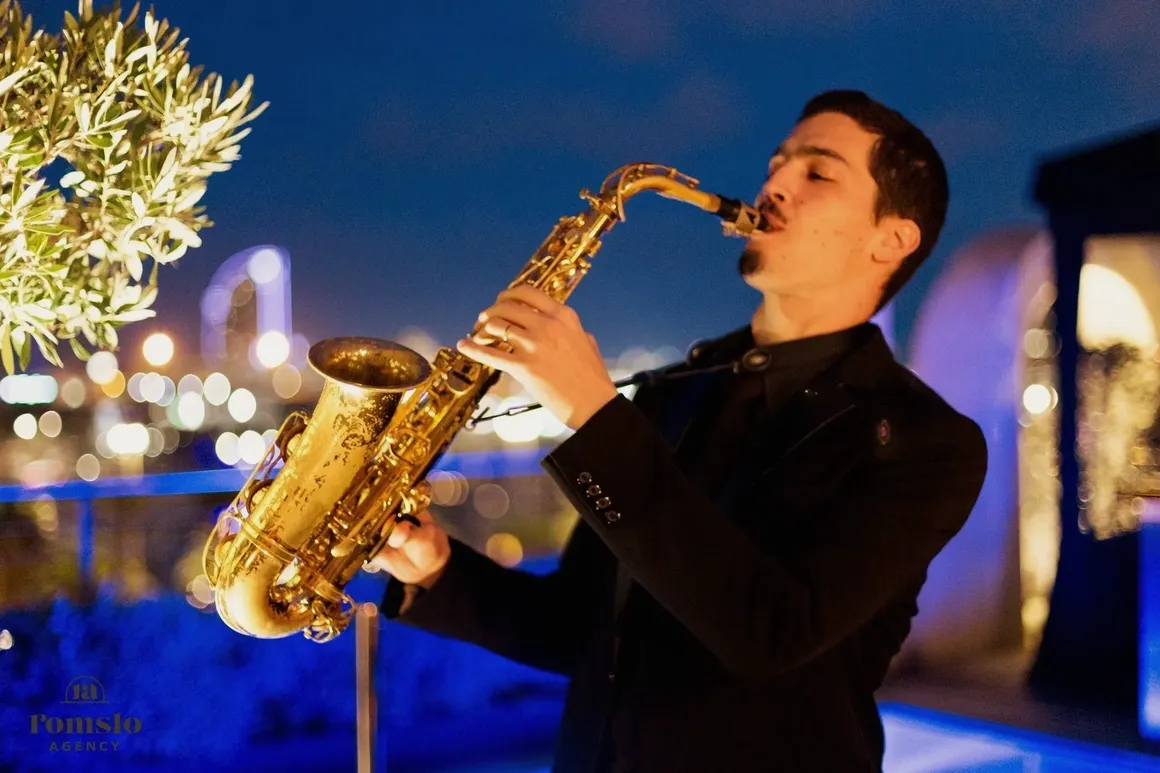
(773, 189)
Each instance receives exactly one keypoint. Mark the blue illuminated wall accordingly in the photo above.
(1150, 623)
(244, 704)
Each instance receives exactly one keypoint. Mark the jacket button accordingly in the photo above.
(594, 491)
(611, 517)
(584, 478)
(611, 677)
(602, 503)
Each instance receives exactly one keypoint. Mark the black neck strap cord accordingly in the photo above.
(753, 361)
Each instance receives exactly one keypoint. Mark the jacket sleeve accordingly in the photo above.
(761, 615)
(536, 620)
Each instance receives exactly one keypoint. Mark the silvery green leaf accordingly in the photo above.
(147, 298)
(163, 186)
(41, 310)
(79, 350)
(29, 194)
(84, 113)
(134, 315)
(188, 200)
(179, 230)
(72, 178)
(7, 84)
(177, 253)
(24, 347)
(140, 53)
(48, 351)
(6, 348)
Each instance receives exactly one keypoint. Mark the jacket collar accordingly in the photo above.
(860, 368)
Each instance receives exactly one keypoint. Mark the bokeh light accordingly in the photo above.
(251, 447)
(242, 405)
(491, 500)
(50, 423)
(157, 349)
(216, 389)
(156, 442)
(88, 467)
(272, 349)
(190, 411)
(73, 392)
(133, 387)
(505, 549)
(1037, 398)
(448, 489)
(264, 266)
(287, 380)
(115, 386)
(128, 439)
(25, 426)
(101, 367)
(226, 448)
(189, 383)
(152, 387)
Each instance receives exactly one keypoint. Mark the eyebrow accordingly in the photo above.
(810, 150)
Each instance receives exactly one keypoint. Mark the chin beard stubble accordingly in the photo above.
(749, 261)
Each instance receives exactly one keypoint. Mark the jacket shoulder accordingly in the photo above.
(914, 419)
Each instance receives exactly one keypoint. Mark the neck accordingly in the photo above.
(782, 318)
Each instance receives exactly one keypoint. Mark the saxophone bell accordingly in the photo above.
(282, 551)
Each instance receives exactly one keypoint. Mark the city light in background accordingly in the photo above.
(164, 407)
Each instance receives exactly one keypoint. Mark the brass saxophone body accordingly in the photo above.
(282, 552)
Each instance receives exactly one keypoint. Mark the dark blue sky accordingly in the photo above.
(415, 154)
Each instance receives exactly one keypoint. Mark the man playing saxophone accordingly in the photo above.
(753, 537)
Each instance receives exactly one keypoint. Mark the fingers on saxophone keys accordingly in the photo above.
(498, 330)
(401, 531)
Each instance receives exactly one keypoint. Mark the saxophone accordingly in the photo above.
(327, 494)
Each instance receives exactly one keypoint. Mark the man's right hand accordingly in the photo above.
(415, 555)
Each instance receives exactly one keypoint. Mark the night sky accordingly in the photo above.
(415, 154)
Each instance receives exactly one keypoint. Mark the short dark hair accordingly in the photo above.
(911, 177)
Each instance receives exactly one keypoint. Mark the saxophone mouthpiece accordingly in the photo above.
(739, 218)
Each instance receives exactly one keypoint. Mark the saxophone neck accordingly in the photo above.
(738, 218)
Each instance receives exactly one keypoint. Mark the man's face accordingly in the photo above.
(820, 198)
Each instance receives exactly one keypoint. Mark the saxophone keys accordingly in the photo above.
(344, 548)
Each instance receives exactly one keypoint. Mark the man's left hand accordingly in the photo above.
(551, 355)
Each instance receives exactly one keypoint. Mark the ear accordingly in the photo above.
(897, 238)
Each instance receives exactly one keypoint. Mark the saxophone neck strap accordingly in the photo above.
(754, 360)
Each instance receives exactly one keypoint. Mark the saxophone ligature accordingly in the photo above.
(332, 485)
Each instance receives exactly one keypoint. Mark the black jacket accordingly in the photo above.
(754, 633)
